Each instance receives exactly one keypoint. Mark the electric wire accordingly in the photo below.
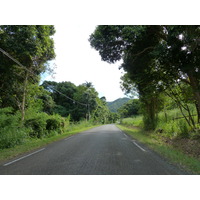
(16, 61)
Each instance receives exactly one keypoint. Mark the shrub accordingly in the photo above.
(11, 133)
(37, 125)
(54, 125)
(10, 136)
(184, 129)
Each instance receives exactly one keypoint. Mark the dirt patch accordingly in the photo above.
(188, 146)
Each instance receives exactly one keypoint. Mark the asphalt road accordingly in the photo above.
(104, 150)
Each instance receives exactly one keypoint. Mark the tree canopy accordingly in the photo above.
(31, 47)
(154, 57)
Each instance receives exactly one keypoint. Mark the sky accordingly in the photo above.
(76, 61)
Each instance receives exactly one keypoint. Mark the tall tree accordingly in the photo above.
(153, 56)
(63, 94)
(32, 46)
(133, 44)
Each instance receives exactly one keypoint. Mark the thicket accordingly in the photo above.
(38, 125)
(170, 124)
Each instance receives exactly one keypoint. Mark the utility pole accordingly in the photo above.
(88, 111)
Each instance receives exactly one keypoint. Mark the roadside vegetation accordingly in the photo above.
(33, 113)
(29, 143)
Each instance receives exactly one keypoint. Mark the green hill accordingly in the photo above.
(115, 105)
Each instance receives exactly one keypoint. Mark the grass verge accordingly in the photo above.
(32, 144)
(187, 163)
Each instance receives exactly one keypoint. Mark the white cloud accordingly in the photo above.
(77, 62)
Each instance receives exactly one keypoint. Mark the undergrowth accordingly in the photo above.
(37, 125)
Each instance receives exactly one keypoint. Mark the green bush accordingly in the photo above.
(10, 136)
(11, 132)
(55, 125)
(7, 118)
(43, 125)
(37, 125)
(173, 125)
(184, 129)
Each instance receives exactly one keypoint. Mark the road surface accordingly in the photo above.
(104, 150)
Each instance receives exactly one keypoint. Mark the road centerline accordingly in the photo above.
(9, 163)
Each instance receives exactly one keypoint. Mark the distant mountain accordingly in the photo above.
(115, 105)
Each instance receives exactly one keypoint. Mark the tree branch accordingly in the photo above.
(143, 51)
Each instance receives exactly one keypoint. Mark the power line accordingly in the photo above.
(16, 61)
(67, 96)
(9, 56)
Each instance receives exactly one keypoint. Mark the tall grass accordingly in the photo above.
(134, 121)
(79, 125)
(11, 133)
(170, 123)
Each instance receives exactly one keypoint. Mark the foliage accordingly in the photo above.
(43, 125)
(57, 124)
(34, 143)
(170, 124)
(48, 104)
(80, 102)
(132, 121)
(113, 117)
(154, 58)
(116, 104)
(101, 113)
(46, 110)
(58, 92)
(11, 133)
(130, 108)
(37, 123)
(32, 46)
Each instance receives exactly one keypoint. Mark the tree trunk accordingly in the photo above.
(195, 87)
(24, 97)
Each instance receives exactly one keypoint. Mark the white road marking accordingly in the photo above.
(125, 135)
(68, 138)
(138, 145)
(23, 157)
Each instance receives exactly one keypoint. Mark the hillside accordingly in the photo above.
(115, 105)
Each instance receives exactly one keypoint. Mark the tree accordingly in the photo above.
(154, 57)
(180, 51)
(130, 108)
(86, 94)
(62, 94)
(101, 112)
(32, 46)
(80, 102)
(132, 44)
(48, 102)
